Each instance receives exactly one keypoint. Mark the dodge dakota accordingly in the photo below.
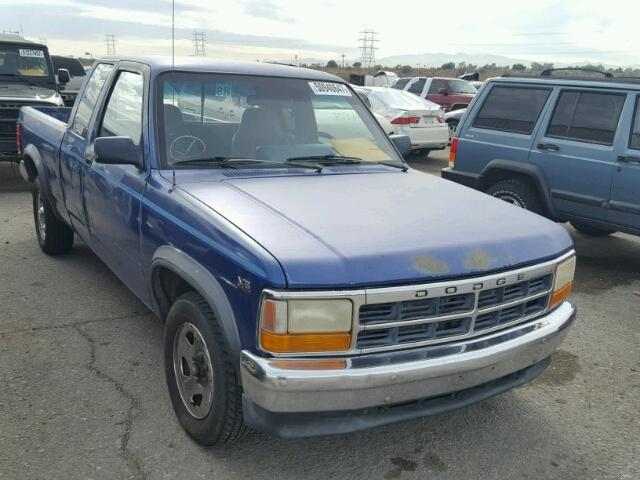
(308, 281)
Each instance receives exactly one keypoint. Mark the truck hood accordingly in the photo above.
(19, 90)
(336, 230)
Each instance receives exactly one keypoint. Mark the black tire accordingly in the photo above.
(452, 124)
(222, 421)
(518, 193)
(54, 236)
(592, 231)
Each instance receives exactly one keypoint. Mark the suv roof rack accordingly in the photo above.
(607, 77)
(547, 72)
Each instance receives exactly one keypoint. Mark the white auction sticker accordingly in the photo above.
(330, 88)
(27, 52)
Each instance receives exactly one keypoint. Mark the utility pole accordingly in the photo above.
(199, 44)
(110, 40)
(368, 48)
(343, 60)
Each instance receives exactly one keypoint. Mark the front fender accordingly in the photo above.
(206, 285)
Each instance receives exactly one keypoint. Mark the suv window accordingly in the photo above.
(435, 86)
(512, 109)
(400, 84)
(123, 115)
(90, 96)
(586, 116)
(417, 86)
(634, 142)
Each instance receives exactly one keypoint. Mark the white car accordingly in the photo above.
(422, 120)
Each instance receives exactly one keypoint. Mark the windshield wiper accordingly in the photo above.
(227, 162)
(327, 159)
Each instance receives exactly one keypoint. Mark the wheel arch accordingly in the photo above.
(497, 170)
(31, 164)
(173, 269)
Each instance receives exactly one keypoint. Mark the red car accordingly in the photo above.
(449, 93)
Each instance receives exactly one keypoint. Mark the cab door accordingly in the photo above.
(624, 206)
(113, 193)
(73, 151)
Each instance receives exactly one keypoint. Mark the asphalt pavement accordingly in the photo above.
(83, 396)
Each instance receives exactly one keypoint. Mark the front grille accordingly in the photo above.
(449, 317)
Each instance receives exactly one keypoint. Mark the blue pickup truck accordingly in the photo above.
(309, 282)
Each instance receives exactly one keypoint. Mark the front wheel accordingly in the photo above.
(54, 236)
(592, 231)
(203, 384)
(516, 192)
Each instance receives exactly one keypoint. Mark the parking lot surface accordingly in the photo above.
(83, 396)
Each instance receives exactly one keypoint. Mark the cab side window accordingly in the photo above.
(123, 115)
(634, 141)
(586, 116)
(436, 86)
(417, 86)
(90, 95)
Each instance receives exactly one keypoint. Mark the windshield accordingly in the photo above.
(213, 116)
(461, 86)
(23, 60)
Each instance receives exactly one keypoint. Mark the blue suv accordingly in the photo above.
(564, 147)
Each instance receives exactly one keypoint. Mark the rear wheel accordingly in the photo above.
(516, 192)
(452, 124)
(203, 384)
(54, 236)
(592, 231)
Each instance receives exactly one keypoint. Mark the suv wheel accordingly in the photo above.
(592, 231)
(54, 236)
(516, 192)
(203, 384)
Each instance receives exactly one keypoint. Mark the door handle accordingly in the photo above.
(548, 146)
(629, 159)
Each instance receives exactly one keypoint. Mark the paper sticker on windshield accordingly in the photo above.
(27, 52)
(330, 88)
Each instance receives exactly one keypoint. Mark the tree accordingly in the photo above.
(406, 69)
(448, 66)
(357, 65)
(332, 64)
(518, 67)
(541, 66)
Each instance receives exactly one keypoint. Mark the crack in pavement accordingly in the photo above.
(132, 460)
(72, 324)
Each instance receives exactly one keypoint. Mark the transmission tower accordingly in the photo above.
(199, 44)
(368, 48)
(110, 40)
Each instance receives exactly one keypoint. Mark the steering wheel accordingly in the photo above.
(187, 147)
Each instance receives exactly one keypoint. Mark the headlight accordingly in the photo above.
(306, 326)
(563, 281)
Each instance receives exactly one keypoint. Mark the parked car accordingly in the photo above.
(564, 147)
(26, 78)
(452, 119)
(308, 280)
(69, 90)
(450, 93)
(384, 123)
(421, 120)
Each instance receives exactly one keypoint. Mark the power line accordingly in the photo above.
(110, 40)
(199, 44)
(368, 48)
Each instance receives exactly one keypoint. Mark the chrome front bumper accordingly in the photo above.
(391, 378)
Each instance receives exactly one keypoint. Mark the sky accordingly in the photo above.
(559, 31)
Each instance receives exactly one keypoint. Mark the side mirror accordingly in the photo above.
(443, 91)
(117, 151)
(402, 143)
(63, 75)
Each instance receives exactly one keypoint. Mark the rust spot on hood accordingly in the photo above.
(477, 259)
(430, 264)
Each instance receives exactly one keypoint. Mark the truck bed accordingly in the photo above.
(43, 125)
